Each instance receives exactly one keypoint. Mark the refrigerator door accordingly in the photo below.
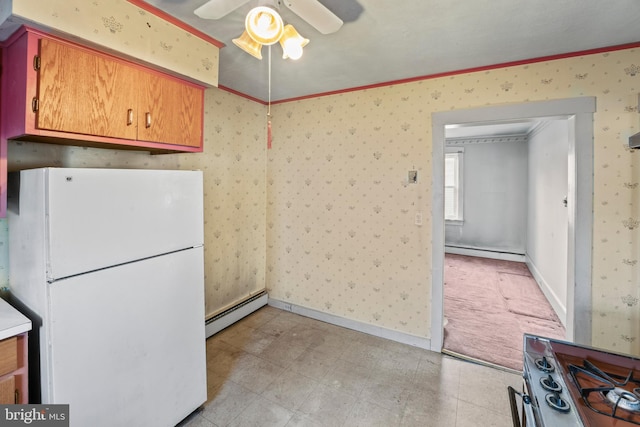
(127, 344)
(98, 218)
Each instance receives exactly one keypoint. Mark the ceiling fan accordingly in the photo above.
(312, 11)
(264, 26)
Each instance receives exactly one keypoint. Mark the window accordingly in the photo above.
(453, 185)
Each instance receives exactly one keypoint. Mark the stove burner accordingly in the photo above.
(549, 384)
(544, 365)
(556, 402)
(612, 394)
(575, 385)
(623, 399)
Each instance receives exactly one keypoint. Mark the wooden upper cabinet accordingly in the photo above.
(81, 92)
(60, 92)
(169, 111)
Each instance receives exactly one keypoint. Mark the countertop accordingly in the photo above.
(12, 322)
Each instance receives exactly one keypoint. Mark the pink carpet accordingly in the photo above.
(489, 304)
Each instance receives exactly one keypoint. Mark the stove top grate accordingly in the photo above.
(605, 383)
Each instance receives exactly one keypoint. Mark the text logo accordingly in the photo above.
(34, 415)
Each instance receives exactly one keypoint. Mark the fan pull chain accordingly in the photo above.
(269, 107)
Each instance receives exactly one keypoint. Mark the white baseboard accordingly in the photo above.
(551, 296)
(355, 325)
(484, 253)
(231, 316)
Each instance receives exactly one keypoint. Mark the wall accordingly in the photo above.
(495, 198)
(234, 166)
(341, 236)
(547, 225)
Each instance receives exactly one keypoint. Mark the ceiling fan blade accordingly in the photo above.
(216, 9)
(316, 14)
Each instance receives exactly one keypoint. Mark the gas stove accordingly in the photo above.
(567, 384)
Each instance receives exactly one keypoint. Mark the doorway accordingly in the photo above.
(579, 113)
(507, 221)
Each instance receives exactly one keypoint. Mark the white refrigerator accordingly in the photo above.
(110, 263)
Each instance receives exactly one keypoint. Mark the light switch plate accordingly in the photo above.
(412, 177)
(418, 218)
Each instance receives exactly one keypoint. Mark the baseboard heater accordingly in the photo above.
(231, 315)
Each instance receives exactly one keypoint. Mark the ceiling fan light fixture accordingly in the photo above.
(264, 25)
(292, 43)
(249, 45)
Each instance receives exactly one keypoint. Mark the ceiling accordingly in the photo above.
(384, 41)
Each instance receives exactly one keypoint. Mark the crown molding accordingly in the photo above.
(450, 142)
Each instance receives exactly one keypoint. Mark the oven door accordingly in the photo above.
(524, 417)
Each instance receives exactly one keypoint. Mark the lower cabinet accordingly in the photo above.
(8, 391)
(13, 370)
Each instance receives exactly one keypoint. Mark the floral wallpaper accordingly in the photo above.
(341, 215)
(341, 220)
(123, 27)
(234, 167)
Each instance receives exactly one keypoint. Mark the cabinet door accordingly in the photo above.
(169, 111)
(80, 91)
(8, 391)
(8, 355)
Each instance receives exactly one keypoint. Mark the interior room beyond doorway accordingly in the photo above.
(505, 190)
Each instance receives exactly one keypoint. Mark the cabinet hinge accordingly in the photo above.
(34, 105)
(36, 62)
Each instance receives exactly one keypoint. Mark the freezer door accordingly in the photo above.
(98, 218)
(127, 345)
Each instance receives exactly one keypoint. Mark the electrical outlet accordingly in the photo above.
(412, 177)
(287, 306)
(418, 218)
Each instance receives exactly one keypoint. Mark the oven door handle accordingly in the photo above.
(528, 417)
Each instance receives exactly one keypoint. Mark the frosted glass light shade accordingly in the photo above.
(249, 45)
(264, 25)
(292, 43)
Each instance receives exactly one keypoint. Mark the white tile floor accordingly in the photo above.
(275, 368)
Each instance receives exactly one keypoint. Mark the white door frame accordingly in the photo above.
(579, 111)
